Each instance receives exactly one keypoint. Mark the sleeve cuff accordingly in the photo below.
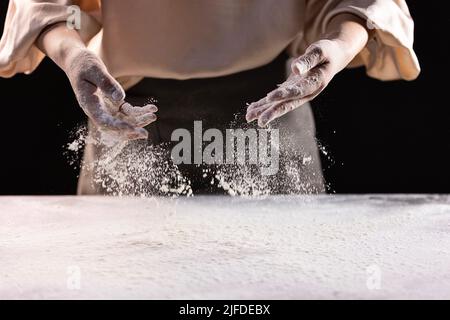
(389, 54)
(24, 23)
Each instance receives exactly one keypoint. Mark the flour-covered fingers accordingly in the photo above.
(96, 111)
(287, 92)
(106, 121)
(258, 103)
(254, 113)
(147, 108)
(266, 100)
(139, 116)
(277, 96)
(277, 110)
(296, 87)
(304, 86)
(144, 120)
(129, 110)
(313, 57)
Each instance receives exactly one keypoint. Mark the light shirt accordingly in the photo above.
(182, 39)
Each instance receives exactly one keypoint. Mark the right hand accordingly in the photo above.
(102, 98)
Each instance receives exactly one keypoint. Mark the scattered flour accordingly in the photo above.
(74, 150)
(134, 168)
(246, 180)
(128, 168)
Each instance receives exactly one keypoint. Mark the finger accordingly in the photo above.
(280, 109)
(276, 111)
(145, 120)
(313, 57)
(254, 113)
(258, 103)
(149, 108)
(130, 110)
(139, 116)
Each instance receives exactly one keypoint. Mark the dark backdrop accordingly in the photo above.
(381, 137)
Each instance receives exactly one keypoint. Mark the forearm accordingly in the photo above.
(351, 31)
(59, 42)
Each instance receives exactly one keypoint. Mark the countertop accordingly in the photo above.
(280, 247)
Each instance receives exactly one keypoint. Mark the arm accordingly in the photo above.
(98, 93)
(345, 36)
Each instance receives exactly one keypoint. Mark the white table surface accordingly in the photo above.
(344, 247)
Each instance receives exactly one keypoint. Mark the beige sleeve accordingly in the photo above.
(389, 54)
(26, 19)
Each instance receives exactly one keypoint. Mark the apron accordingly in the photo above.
(145, 168)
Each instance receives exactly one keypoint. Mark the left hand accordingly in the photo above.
(311, 73)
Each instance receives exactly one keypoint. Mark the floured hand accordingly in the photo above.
(345, 37)
(102, 98)
(311, 73)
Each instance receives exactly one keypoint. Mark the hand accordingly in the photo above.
(311, 73)
(345, 37)
(102, 98)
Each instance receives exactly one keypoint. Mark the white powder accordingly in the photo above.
(246, 180)
(74, 149)
(137, 169)
(310, 247)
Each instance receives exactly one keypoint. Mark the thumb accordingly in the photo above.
(313, 57)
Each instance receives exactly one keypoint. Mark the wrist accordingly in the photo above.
(68, 53)
(60, 44)
(350, 31)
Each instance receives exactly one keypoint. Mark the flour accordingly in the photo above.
(73, 150)
(246, 180)
(276, 247)
(128, 168)
(134, 168)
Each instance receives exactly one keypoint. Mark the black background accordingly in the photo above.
(382, 137)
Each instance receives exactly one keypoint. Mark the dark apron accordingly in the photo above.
(144, 168)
